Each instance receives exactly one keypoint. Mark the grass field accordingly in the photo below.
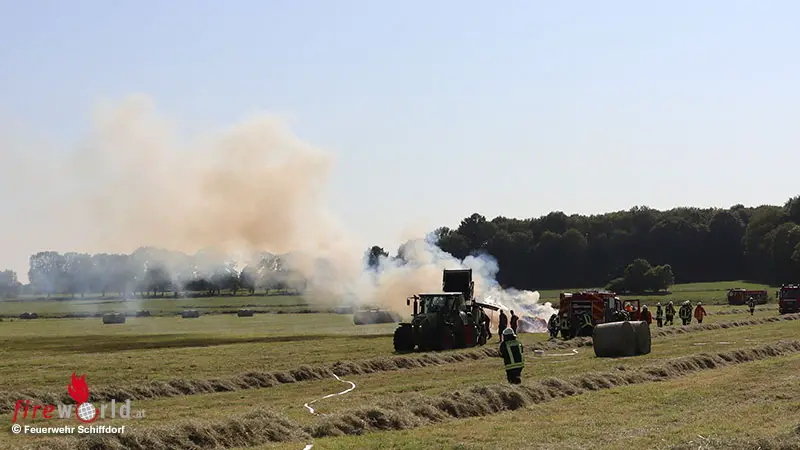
(220, 381)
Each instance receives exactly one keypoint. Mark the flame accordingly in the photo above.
(78, 389)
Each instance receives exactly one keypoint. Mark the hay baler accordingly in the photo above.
(444, 320)
(789, 299)
(580, 312)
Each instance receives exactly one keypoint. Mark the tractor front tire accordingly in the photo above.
(403, 340)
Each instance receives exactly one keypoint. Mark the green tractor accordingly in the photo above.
(445, 320)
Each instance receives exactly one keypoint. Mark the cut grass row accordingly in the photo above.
(384, 378)
(197, 368)
(415, 410)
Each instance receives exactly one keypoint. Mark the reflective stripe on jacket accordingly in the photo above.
(512, 356)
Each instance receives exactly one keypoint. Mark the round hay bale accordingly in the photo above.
(245, 313)
(25, 315)
(643, 340)
(110, 318)
(190, 314)
(614, 339)
(143, 313)
(375, 316)
(344, 310)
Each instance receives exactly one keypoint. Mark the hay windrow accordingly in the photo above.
(262, 379)
(485, 400)
(409, 411)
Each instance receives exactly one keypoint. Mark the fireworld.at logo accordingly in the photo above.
(85, 411)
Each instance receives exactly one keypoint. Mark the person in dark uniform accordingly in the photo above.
(511, 350)
(514, 321)
(659, 315)
(751, 302)
(502, 323)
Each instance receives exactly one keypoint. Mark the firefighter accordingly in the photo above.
(511, 350)
(751, 303)
(699, 312)
(670, 314)
(685, 313)
(565, 325)
(486, 324)
(502, 323)
(586, 325)
(553, 326)
(514, 321)
(646, 316)
(659, 315)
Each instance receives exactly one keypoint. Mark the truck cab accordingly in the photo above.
(789, 299)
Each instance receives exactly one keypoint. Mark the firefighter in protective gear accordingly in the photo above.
(646, 316)
(586, 325)
(751, 303)
(511, 350)
(564, 326)
(553, 326)
(514, 321)
(670, 313)
(502, 323)
(685, 313)
(699, 312)
(659, 315)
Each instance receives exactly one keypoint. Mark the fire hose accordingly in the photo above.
(312, 411)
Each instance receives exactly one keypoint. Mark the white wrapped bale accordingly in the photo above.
(643, 340)
(111, 318)
(614, 339)
(190, 314)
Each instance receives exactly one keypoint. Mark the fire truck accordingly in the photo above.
(789, 299)
(579, 312)
(739, 296)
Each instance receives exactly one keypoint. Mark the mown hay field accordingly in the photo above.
(222, 381)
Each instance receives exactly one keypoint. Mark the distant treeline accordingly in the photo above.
(683, 245)
(558, 251)
(148, 271)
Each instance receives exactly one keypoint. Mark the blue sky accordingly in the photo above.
(524, 106)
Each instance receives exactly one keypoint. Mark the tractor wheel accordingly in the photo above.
(403, 340)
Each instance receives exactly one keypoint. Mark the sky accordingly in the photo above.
(439, 109)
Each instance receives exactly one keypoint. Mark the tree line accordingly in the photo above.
(554, 251)
(635, 250)
(148, 271)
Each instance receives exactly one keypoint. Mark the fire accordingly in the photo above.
(78, 389)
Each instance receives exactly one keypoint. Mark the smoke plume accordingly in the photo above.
(252, 188)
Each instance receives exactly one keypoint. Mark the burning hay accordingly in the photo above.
(344, 310)
(245, 313)
(143, 313)
(532, 325)
(27, 315)
(370, 317)
(110, 318)
(190, 314)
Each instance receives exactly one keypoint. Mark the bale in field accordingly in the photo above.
(27, 315)
(614, 339)
(375, 316)
(190, 314)
(245, 313)
(109, 318)
(143, 313)
(344, 310)
(643, 339)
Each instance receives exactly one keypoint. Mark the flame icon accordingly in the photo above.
(79, 391)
